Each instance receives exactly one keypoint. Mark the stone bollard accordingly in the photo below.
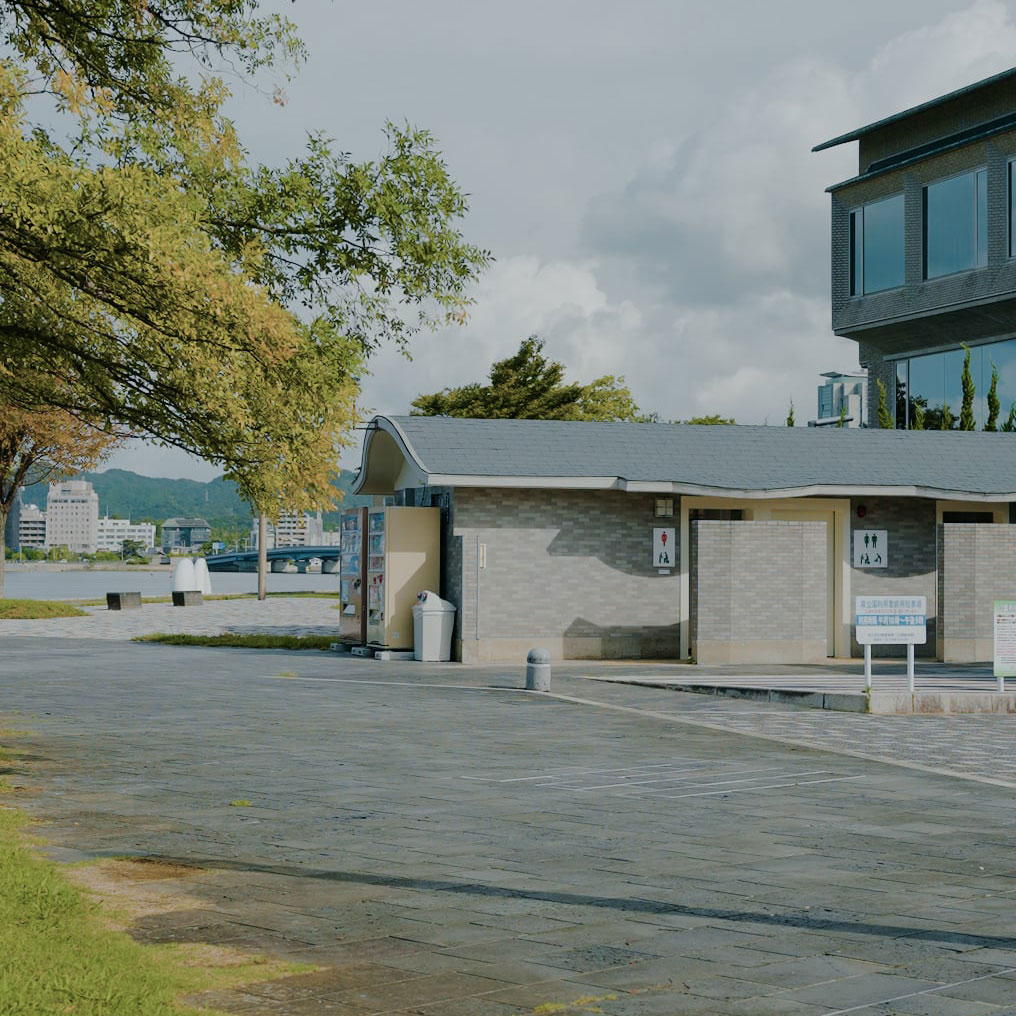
(538, 670)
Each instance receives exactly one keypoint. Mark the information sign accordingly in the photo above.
(886, 620)
(1005, 638)
(663, 547)
(871, 548)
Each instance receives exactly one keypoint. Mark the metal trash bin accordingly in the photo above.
(433, 620)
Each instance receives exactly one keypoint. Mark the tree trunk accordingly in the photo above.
(262, 556)
(3, 548)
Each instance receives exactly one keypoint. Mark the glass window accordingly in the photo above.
(876, 246)
(902, 379)
(955, 224)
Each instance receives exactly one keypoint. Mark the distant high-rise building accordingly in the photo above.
(843, 398)
(113, 532)
(294, 529)
(32, 527)
(72, 516)
(185, 534)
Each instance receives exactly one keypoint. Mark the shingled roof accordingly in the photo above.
(682, 458)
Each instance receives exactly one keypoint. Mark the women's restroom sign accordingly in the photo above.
(664, 544)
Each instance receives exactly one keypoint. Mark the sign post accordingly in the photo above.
(1005, 641)
(893, 620)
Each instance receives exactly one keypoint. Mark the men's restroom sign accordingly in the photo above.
(871, 548)
(663, 548)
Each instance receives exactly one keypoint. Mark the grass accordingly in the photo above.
(234, 640)
(59, 958)
(11, 610)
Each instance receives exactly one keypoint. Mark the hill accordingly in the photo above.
(147, 498)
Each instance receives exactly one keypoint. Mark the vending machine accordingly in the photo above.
(352, 550)
(403, 559)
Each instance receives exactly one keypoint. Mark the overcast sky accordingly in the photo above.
(642, 173)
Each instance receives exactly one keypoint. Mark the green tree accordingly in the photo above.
(946, 419)
(994, 406)
(843, 415)
(790, 414)
(149, 274)
(530, 386)
(38, 446)
(917, 414)
(1010, 423)
(885, 421)
(967, 383)
(713, 420)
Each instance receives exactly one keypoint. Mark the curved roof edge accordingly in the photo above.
(390, 427)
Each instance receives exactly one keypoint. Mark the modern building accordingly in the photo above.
(112, 533)
(183, 535)
(72, 516)
(725, 544)
(924, 254)
(842, 401)
(12, 530)
(294, 529)
(32, 527)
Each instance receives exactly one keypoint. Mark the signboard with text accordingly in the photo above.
(889, 620)
(1005, 638)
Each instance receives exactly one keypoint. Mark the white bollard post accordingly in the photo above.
(910, 667)
(867, 668)
(538, 670)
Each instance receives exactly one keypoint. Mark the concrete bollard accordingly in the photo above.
(538, 670)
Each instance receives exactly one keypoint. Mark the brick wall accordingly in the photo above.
(758, 591)
(570, 570)
(977, 565)
(910, 571)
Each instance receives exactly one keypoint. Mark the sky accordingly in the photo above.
(641, 173)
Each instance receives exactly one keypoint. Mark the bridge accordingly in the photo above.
(278, 558)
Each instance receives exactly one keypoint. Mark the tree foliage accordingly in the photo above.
(994, 404)
(531, 386)
(967, 421)
(149, 274)
(885, 421)
(713, 420)
(38, 446)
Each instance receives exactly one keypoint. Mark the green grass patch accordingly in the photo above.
(235, 640)
(16, 610)
(57, 958)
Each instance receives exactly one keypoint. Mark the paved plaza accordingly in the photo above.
(439, 842)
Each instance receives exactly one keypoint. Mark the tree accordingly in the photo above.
(39, 446)
(150, 275)
(530, 386)
(885, 421)
(131, 548)
(967, 382)
(918, 408)
(1010, 423)
(946, 419)
(790, 414)
(994, 405)
(843, 415)
(714, 420)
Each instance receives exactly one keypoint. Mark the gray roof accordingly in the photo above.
(449, 450)
(940, 100)
(184, 523)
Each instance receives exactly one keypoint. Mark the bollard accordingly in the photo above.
(538, 670)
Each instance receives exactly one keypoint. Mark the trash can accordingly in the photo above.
(433, 619)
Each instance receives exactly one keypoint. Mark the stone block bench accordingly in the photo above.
(122, 601)
(187, 598)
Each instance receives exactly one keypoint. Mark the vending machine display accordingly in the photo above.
(352, 528)
(403, 559)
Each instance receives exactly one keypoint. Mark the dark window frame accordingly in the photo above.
(978, 173)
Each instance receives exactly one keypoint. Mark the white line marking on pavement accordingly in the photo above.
(770, 786)
(683, 779)
(777, 774)
(389, 684)
(923, 991)
(566, 773)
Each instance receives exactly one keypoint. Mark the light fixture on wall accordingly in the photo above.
(664, 508)
(862, 510)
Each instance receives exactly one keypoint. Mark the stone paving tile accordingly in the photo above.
(383, 839)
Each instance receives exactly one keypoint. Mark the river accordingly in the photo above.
(32, 582)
